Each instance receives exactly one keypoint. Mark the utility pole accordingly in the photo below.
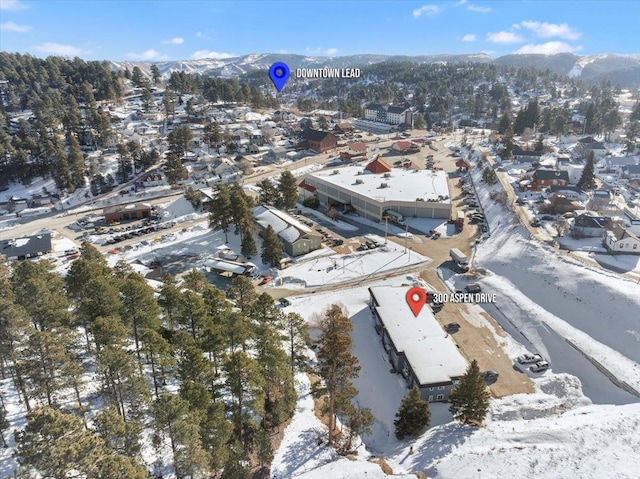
(386, 229)
(406, 236)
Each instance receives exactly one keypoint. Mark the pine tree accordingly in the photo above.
(296, 333)
(139, 309)
(269, 193)
(587, 181)
(54, 443)
(174, 169)
(241, 205)
(155, 74)
(288, 188)
(75, 161)
(414, 416)
(195, 280)
(120, 436)
(4, 422)
(248, 245)
(242, 293)
(192, 313)
(470, 397)
(40, 291)
(271, 247)
(336, 365)
(172, 417)
(43, 361)
(245, 385)
(220, 210)
(169, 300)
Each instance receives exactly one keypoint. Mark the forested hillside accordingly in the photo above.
(112, 374)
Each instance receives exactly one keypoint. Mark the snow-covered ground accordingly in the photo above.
(555, 432)
(545, 300)
(339, 268)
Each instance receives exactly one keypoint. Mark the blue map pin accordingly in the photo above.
(279, 73)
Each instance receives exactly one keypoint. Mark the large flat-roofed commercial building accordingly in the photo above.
(376, 188)
(418, 347)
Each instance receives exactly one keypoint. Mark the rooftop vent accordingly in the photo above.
(359, 181)
(384, 185)
(387, 175)
(335, 172)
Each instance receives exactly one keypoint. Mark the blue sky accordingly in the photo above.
(170, 30)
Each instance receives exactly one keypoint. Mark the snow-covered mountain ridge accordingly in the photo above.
(620, 69)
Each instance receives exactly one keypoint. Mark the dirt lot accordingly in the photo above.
(474, 342)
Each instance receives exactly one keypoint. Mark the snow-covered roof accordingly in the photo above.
(433, 356)
(220, 265)
(289, 234)
(286, 227)
(402, 185)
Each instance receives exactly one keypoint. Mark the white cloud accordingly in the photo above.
(147, 55)
(549, 48)
(426, 10)
(12, 5)
(282, 51)
(469, 37)
(332, 51)
(174, 41)
(475, 8)
(199, 34)
(504, 37)
(202, 54)
(58, 49)
(14, 27)
(550, 30)
(460, 2)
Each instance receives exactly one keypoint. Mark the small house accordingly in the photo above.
(620, 240)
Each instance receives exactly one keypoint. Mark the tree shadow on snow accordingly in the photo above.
(308, 446)
(437, 444)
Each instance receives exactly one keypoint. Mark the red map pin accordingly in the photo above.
(416, 297)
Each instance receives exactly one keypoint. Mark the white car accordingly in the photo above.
(529, 358)
(540, 366)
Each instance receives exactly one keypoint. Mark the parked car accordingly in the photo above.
(484, 228)
(265, 280)
(490, 375)
(539, 367)
(529, 358)
(452, 328)
(473, 288)
(284, 302)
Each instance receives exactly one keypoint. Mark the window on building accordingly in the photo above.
(635, 246)
(440, 388)
(431, 389)
(431, 398)
(621, 245)
(440, 397)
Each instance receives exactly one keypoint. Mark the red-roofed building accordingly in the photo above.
(354, 150)
(463, 165)
(305, 190)
(378, 166)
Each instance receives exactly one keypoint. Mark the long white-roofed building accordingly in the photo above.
(377, 188)
(418, 347)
